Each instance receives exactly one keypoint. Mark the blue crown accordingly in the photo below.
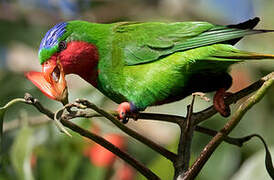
(52, 36)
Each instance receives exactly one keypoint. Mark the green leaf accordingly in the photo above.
(253, 167)
(2, 115)
(21, 153)
(268, 159)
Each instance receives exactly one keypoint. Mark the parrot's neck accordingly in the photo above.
(81, 58)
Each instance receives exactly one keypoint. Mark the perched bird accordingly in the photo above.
(141, 64)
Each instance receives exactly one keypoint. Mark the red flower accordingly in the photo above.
(33, 160)
(99, 156)
(125, 173)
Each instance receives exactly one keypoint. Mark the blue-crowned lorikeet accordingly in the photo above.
(141, 64)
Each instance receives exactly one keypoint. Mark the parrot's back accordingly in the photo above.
(156, 63)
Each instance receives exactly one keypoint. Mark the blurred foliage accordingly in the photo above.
(44, 153)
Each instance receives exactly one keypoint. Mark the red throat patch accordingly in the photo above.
(81, 58)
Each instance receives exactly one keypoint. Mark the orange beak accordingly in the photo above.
(51, 81)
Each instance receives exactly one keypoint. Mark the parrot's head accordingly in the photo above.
(65, 49)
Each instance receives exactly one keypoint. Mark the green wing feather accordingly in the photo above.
(148, 42)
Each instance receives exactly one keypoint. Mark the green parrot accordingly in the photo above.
(141, 64)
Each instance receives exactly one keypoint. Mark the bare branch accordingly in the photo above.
(230, 140)
(123, 155)
(187, 128)
(33, 101)
(84, 104)
(229, 126)
(209, 112)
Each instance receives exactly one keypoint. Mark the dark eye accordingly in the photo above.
(55, 74)
(62, 45)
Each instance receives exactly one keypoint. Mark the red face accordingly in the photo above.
(77, 57)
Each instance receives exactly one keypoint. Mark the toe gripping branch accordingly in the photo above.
(219, 102)
(127, 109)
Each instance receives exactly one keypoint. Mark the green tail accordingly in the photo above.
(219, 57)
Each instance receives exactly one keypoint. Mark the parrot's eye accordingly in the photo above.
(55, 74)
(62, 45)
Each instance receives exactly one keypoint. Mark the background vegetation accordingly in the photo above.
(41, 152)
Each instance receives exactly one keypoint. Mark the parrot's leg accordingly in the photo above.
(219, 103)
(223, 83)
(214, 82)
(125, 109)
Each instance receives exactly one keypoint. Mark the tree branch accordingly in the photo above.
(230, 140)
(229, 126)
(209, 112)
(33, 101)
(187, 128)
(84, 104)
(115, 150)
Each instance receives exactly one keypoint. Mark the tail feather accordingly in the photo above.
(236, 32)
(249, 24)
(228, 53)
(244, 55)
(219, 57)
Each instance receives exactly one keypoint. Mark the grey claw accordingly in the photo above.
(125, 120)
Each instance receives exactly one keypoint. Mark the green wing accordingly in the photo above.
(141, 43)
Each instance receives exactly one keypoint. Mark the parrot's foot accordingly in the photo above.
(127, 109)
(201, 95)
(219, 103)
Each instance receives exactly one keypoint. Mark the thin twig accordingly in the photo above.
(142, 116)
(56, 120)
(229, 126)
(230, 140)
(33, 101)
